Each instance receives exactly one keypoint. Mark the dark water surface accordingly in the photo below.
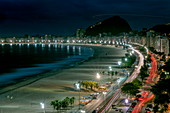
(19, 60)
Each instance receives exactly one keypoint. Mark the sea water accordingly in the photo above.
(25, 60)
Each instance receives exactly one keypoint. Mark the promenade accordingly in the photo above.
(59, 85)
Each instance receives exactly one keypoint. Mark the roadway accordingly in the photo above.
(117, 94)
(150, 95)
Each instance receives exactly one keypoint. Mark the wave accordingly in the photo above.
(70, 61)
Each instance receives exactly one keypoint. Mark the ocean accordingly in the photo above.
(26, 60)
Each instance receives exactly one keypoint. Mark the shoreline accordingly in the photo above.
(65, 63)
(57, 85)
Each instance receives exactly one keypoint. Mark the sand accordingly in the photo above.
(58, 85)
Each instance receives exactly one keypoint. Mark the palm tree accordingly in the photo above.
(53, 103)
(67, 99)
(72, 99)
(56, 104)
(82, 83)
(91, 84)
(96, 85)
(86, 84)
(64, 103)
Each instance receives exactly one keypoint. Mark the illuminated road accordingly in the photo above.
(148, 95)
(130, 79)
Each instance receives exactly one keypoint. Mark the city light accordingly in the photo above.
(77, 86)
(110, 68)
(82, 111)
(42, 105)
(119, 62)
(118, 81)
(126, 101)
(104, 93)
(132, 51)
(98, 76)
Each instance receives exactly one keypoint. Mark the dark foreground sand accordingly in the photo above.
(59, 85)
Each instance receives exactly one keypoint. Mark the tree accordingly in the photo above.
(155, 109)
(53, 103)
(162, 93)
(96, 85)
(72, 99)
(116, 72)
(56, 104)
(143, 73)
(64, 103)
(137, 83)
(149, 58)
(166, 67)
(91, 84)
(113, 73)
(163, 75)
(130, 89)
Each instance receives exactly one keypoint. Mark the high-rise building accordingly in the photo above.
(164, 45)
(80, 33)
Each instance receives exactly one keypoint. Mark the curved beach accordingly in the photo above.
(58, 85)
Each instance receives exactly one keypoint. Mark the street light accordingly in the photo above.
(119, 62)
(126, 101)
(82, 111)
(42, 106)
(118, 81)
(98, 76)
(110, 68)
(126, 59)
(78, 88)
(132, 52)
(104, 93)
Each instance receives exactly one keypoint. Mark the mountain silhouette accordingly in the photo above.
(163, 28)
(112, 26)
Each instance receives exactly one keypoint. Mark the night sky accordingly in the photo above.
(63, 17)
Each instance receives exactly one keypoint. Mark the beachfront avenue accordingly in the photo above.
(114, 93)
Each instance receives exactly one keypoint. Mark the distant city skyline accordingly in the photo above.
(20, 17)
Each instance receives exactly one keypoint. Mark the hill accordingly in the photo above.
(113, 26)
(164, 28)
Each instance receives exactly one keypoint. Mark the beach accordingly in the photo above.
(26, 96)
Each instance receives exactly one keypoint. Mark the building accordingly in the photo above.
(80, 33)
(164, 45)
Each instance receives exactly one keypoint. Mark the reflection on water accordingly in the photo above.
(21, 61)
(68, 49)
(80, 50)
(25, 55)
(74, 49)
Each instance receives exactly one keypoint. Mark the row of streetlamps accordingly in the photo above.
(78, 87)
(110, 69)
